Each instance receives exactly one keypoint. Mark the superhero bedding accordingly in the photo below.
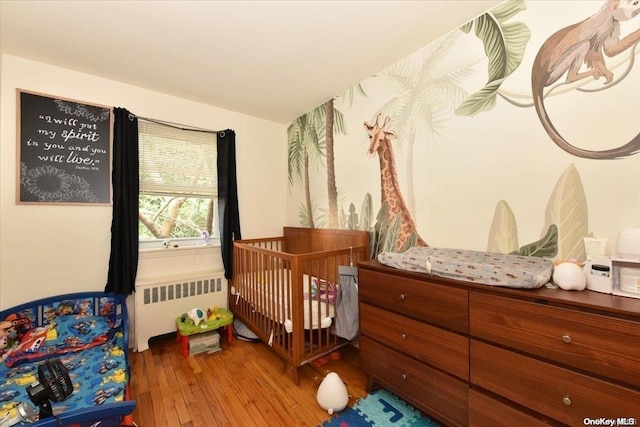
(88, 332)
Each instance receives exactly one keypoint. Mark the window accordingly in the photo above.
(178, 183)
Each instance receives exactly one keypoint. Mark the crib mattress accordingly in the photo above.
(514, 271)
(319, 307)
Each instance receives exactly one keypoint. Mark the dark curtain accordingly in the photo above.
(123, 262)
(228, 198)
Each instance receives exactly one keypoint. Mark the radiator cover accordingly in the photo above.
(159, 302)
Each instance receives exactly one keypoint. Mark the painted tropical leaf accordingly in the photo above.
(504, 46)
(386, 231)
(503, 235)
(352, 218)
(567, 208)
(342, 219)
(546, 247)
(348, 95)
(295, 148)
(411, 241)
(303, 215)
(366, 214)
(380, 229)
(391, 238)
(306, 137)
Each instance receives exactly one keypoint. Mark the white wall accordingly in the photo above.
(51, 249)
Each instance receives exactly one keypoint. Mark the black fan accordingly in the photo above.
(53, 385)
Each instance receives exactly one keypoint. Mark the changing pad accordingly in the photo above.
(514, 271)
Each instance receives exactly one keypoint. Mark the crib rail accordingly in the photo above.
(289, 300)
(261, 292)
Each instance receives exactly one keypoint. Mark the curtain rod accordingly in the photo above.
(180, 126)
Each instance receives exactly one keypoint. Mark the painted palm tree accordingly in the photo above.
(334, 123)
(313, 133)
(306, 136)
(426, 86)
(332, 190)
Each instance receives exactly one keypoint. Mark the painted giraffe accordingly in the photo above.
(380, 142)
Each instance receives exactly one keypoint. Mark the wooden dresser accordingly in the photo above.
(477, 355)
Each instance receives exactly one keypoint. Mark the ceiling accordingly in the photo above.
(270, 59)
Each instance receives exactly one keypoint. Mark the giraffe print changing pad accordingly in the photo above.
(514, 271)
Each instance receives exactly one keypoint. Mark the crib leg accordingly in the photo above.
(296, 375)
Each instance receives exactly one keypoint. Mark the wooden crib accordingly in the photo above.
(284, 289)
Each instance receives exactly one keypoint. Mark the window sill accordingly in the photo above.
(179, 250)
(159, 264)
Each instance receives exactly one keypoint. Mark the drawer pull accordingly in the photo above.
(402, 297)
(566, 339)
(404, 376)
(404, 336)
(566, 400)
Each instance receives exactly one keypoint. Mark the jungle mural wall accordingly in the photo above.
(516, 133)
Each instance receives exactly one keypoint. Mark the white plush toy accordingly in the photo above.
(197, 316)
(332, 394)
(569, 276)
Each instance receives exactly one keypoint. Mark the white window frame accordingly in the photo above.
(161, 178)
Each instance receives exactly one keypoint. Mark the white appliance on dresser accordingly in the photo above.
(620, 274)
(625, 267)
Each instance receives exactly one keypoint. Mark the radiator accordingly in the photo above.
(158, 304)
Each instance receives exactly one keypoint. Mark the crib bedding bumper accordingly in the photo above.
(514, 271)
(89, 336)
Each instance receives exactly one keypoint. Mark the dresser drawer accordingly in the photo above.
(603, 345)
(429, 389)
(441, 305)
(486, 411)
(558, 393)
(438, 347)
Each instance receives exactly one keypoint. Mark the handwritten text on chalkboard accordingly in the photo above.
(64, 151)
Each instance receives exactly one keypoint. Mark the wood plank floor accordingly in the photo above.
(245, 384)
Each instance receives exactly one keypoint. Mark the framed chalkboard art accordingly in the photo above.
(64, 150)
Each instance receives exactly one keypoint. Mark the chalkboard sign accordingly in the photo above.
(64, 150)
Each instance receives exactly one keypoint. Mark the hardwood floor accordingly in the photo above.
(245, 384)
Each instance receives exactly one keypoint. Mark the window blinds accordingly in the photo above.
(177, 162)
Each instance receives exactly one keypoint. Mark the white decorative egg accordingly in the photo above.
(569, 276)
(332, 394)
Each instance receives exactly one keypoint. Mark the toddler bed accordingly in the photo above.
(88, 333)
(285, 289)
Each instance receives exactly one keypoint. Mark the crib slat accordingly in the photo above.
(285, 297)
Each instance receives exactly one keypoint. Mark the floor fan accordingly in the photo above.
(53, 385)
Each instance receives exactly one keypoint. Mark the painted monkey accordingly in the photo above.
(569, 48)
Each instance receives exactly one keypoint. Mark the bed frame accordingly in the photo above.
(113, 414)
(271, 282)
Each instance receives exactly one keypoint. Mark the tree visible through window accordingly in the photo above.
(178, 182)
